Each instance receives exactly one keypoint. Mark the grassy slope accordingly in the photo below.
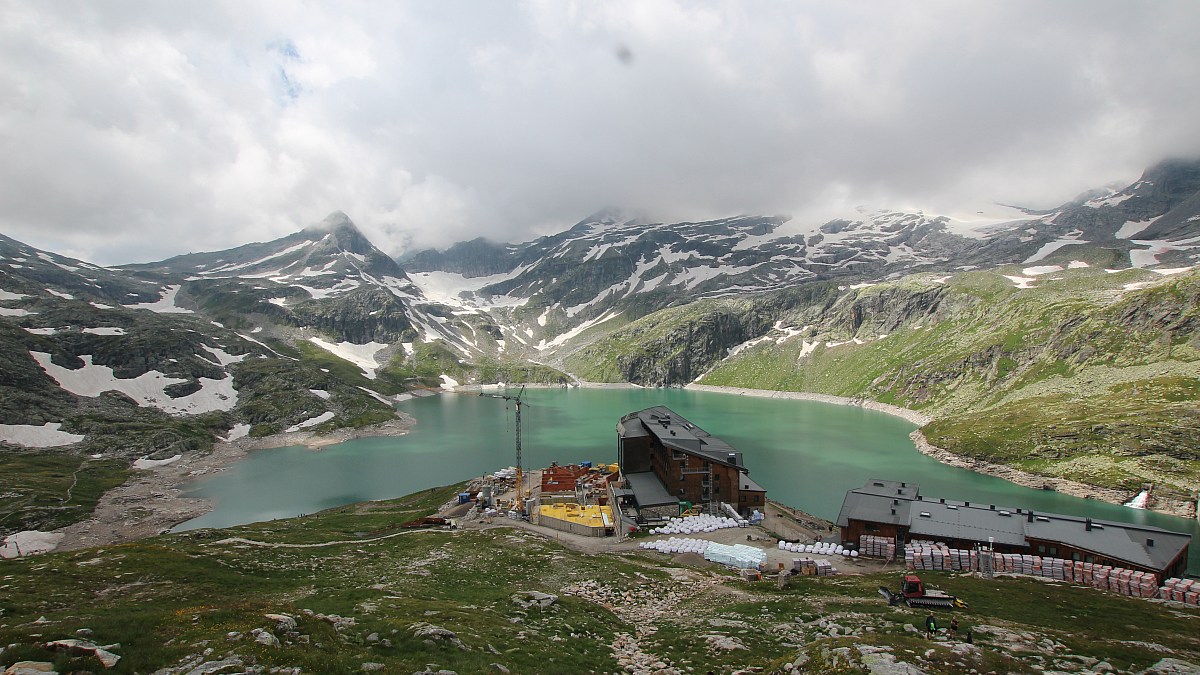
(1056, 379)
(168, 598)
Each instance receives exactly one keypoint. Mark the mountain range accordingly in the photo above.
(321, 329)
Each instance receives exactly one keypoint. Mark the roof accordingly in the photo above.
(745, 482)
(873, 508)
(948, 520)
(675, 432)
(1143, 545)
(901, 504)
(648, 490)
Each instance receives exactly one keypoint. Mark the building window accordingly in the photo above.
(1041, 548)
(872, 527)
(1053, 550)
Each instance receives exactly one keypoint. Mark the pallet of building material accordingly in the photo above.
(877, 547)
(1181, 590)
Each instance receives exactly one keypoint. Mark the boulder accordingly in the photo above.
(267, 638)
(31, 668)
(283, 622)
(528, 599)
(432, 633)
(85, 647)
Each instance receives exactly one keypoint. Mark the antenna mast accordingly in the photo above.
(517, 402)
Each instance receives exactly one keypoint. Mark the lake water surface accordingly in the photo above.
(806, 454)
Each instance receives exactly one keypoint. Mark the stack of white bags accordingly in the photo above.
(695, 524)
(820, 548)
(677, 545)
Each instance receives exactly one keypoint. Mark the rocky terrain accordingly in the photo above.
(348, 590)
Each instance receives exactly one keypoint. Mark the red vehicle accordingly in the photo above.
(914, 594)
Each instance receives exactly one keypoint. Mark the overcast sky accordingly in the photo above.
(132, 131)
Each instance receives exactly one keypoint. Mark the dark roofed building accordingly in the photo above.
(688, 463)
(898, 510)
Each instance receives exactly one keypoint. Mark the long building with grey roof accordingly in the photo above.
(666, 459)
(896, 509)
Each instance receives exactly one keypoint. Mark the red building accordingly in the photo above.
(667, 460)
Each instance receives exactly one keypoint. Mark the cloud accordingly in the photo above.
(135, 132)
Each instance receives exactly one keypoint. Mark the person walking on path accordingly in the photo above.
(930, 626)
(954, 627)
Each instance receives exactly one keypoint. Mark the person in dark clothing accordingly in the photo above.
(954, 627)
(930, 626)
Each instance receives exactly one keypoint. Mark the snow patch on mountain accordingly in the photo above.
(462, 292)
(562, 339)
(165, 304)
(1047, 249)
(223, 357)
(147, 389)
(311, 422)
(238, 431)
(48, 435)
(6, 295)
(147, 463)
(1133, 228)
(362, 356)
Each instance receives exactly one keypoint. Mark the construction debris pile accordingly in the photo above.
(695, 524)
(820, 548)
(877, 547)
(925, 555)
(1181, 590)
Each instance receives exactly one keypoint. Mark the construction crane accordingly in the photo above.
(517, 402)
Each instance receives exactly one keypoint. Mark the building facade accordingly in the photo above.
(666, 460)
(897, 510)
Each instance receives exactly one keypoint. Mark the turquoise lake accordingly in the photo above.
(806, 454)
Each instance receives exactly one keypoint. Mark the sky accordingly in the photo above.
(134, 131)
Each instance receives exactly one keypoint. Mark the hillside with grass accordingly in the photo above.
(1065, 369)
(348, 590)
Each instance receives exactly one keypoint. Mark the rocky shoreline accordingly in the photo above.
(153, 501)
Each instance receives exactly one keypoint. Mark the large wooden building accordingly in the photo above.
(898, 511)
(666, 460)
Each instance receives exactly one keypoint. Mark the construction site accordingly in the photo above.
(679, 491)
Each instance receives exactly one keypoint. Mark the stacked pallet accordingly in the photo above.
(878, 547)
(923, 555)
(1181, 590)
(813, 568)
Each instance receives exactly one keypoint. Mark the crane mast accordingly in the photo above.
(517, 402)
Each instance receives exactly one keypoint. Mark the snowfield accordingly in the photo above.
(147, 389)
(165, 304)
(47, 435)
(145, 463)
(362, 356)
(29, 542)
(311, 422)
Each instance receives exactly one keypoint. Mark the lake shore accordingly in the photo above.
(153, 500)
(1171, 507)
